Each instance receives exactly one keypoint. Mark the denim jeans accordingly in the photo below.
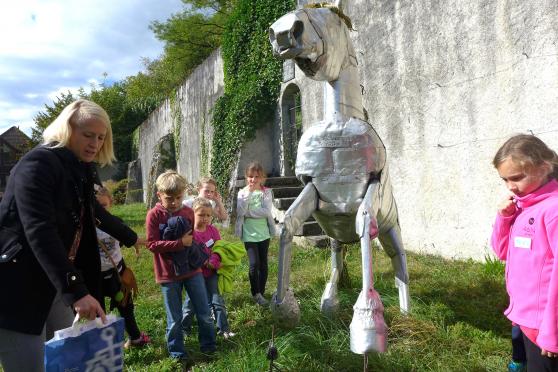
(216, 302)
(172, 297)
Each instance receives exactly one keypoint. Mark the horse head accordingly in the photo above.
(317, 38)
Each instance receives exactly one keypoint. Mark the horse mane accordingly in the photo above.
(335, 10)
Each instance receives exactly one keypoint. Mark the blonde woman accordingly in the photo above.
(49, 260)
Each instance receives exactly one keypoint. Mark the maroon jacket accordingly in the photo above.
(162, 264)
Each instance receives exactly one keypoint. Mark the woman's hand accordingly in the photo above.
(187, 239)
(139, 242)
(506, 207)
(88, 307)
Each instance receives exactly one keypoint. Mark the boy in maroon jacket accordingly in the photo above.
(170, 192)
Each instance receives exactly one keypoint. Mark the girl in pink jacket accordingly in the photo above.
(525, 235)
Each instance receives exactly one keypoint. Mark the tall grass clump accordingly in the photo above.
(455, 324)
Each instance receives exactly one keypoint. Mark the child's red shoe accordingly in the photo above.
(140, 342)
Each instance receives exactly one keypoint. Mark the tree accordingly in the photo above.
(43, 119)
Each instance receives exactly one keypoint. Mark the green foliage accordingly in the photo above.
(456, 321)
(135, 143)
(117, 190)
(204, 148)
(252, 81)
(190, 37)
(177, 120)
(124, 113)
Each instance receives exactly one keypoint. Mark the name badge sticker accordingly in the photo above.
(209, 243)
(521, 242)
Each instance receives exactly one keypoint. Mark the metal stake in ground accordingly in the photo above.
(272, 352)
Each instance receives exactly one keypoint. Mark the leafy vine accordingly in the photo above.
(252, 81)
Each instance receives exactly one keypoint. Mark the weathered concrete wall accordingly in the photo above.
(187, 116)
(445, 83)
(190, 108)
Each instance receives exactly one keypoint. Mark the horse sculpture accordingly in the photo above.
(342, 163)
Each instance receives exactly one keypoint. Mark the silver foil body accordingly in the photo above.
(340, 159)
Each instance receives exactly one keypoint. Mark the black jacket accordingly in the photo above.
(40, 213)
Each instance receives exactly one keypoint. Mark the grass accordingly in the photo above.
(455, 324)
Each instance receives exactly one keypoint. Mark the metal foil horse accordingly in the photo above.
(342, 163)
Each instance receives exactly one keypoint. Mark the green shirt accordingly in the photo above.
(255, 229)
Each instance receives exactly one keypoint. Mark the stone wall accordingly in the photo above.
(445, 83)
(187, 117)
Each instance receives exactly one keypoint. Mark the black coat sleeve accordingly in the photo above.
(114, 226)
(36, 181)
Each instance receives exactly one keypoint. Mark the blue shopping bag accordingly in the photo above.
(87, 347)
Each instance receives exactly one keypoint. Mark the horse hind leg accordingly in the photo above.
(329, 304)
(392, 243)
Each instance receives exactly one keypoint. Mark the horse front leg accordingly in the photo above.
(284, 306)
(330, 300)
(368, 328)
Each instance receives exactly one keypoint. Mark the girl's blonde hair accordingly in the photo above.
(257, 168)
(529, 152)
(77, 113)
(204, 180)
(201, 202)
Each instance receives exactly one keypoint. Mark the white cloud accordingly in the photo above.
(51, 46)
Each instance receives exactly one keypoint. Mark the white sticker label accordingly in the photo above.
(209, 243)
(521, 242)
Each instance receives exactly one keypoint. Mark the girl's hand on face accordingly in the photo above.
(507, 207)
(187, 239)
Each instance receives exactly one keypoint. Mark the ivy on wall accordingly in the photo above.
(204, 148)
(252, 81)
(135, 143)
(177, 120)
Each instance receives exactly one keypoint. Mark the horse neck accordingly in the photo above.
(342, 97)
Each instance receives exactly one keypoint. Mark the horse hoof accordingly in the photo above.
(329, 304)
(368, 328)
(286, 313)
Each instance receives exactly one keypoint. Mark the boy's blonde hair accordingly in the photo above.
(209, 180)
(76, 114)
(201, 202)
(171, 183)
(529, 152)
(257, 168)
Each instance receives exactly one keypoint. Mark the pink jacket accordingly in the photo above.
(528, 242)
(208, 238)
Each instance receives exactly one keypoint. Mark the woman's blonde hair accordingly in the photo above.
(201, 202)
(77, 113)
(529, 152)
(257, 168)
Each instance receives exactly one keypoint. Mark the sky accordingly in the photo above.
(49, 47)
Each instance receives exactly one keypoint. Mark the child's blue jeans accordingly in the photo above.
(215, 301)
(172, 297)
